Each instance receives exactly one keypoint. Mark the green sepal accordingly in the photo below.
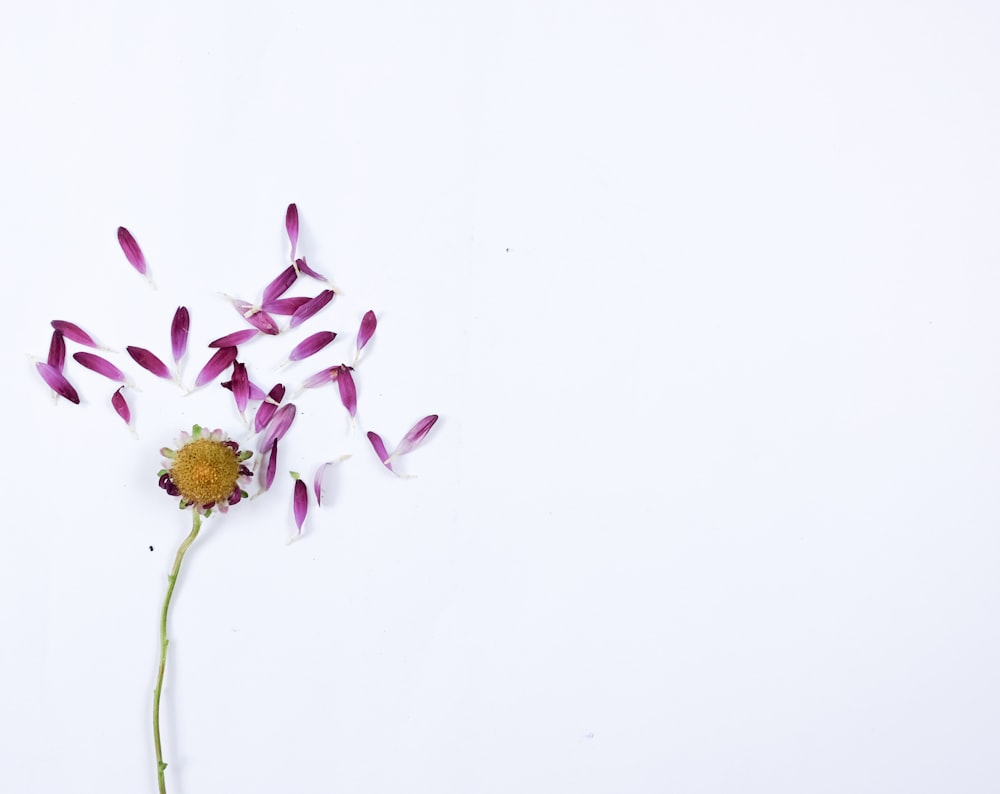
(195, 431)
(161, 472)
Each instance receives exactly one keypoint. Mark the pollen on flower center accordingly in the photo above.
(205, 471)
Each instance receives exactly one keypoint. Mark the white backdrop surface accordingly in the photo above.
(706, 296)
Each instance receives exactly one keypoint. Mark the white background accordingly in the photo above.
(706, 294)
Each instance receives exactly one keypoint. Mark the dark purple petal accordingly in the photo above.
(321, 378)
(179, 332)
(260, 320)
(280, 285)
(57, 382)
(241, 385)
(221, 359)
(300, 502)
(256, 392)
(132, 251)
(279, 425)
(304, 268)
(348, 391)
(119, 404)
(292, 226)
(379, 446)
(285, 307)
(235, 339)
(57, 351)
(415, 435)
(74, 333)
(311, 345)
(272, 466)
(308, 309)
(235, 496)
(148, 361)
(265, 412)
(100, 365)
(368, 323)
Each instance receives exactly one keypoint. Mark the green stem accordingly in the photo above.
(171, 581)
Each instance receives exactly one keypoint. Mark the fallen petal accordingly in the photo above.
(179, 332)
(221, 359)
(57, 382)
(415, 435)
(57, 351)
(100, 365)
(256, 392)
(234, 339)
(272, 465)
(300, 501)
(285, 306)
(311, 345)
(311, 307)
(348, 391)
(74, 333)
(148, 361)
(368, 323)
(265, 412)
(280, 285)
(260, 320)
(292, 226)
(304, 268)
(241, 385)
(321, 378)
(379, 446)
(132, 251)
(279, 425)
(320, 474)
(120, 406)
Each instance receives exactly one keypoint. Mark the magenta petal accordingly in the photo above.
(311, 345)
(57, 351)
(292, 226)
(234, 339)
(221, 359)
(348, 391)
(272, 465)
(265, 412)
(132, 251)
(279, 425)
(100, 365)
(256, 392)
(285, 306)
(148, 361)
(74, 333)
(260, 320)
(241, 385)
(179, 332)
(304, 268)
(119, 404)
(368, 323)
(310, 308)
(415, 435)
(321, 378)
(379, 446)
(300, 503)
(280, 285)
(57, 382)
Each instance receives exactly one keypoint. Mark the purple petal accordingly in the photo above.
(260, 320)
(132, 251)
(285, 306)
(179, 332)
(368, 323)
(118, 401)
(308, 309)
(100, 365)
(311, 345)
(272, 466)
(57, 351)
(379, 446)
(148, 361)
(221, 359)
(304, 268)
(234, 339)
(300, 502)
(280, 285)
(279, 425)
(57, 382)
(321, 378)
(241, 384)
(292, 226)
(265, 412)
(74, 333)
(348, 391)
(256, 392)
(318, 481)
(415, 435)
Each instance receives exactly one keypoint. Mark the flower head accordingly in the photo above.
(205, 471)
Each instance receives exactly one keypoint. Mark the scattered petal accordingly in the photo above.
(121, 407)
(368, 323)
(100, 365)
(132, 251)
(379, 446)
(265, 412)
(234, 339)
(304, 268)
(311, 307)
(279, 425)
(285, 307)
(221, 359)
(148, 361)
(415, 435)
(57, 351)
(292, 226)
(260, 320)
(348, 391)
(300, 501)
(320, 473)
(311, 345)
(57, 382)
(256, 392)
(321, 378)
(74, 333)
(280, 285)
(241, 384)
(179, 332)
(272, 466)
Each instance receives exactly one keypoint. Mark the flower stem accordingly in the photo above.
(171, 581)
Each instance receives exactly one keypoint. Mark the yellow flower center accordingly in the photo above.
(205, 471)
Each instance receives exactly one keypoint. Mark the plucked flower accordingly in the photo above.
(206, 471)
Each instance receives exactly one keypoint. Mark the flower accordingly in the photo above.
(205, 471)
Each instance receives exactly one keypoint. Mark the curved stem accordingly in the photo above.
(171, 581)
